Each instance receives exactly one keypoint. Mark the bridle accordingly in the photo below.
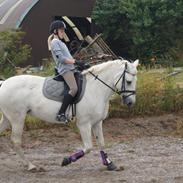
(123, 85)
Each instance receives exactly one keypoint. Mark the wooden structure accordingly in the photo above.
(96, 51)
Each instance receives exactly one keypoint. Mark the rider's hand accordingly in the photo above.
(87, 66)
(79, 63)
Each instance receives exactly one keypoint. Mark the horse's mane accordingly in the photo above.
(96, 69)
(1, 82)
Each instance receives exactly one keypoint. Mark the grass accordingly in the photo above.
(33, 123)
(156, 95)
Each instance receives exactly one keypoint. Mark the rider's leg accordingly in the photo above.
(71, 82)
(68, 98)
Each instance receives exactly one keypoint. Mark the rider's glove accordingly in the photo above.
(87, 66)
(81, 65)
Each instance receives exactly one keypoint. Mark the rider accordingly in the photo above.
(65, 65)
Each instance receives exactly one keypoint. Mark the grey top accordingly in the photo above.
(60, 53)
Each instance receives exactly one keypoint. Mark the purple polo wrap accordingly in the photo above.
(77, 156)
(105, 159)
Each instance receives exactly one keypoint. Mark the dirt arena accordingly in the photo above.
(146, 150)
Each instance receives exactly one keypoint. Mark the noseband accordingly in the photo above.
(123, 85)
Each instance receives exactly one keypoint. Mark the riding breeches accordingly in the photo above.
(71, 82)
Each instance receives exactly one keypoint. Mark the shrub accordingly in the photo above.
(156, 95)
(12, 51)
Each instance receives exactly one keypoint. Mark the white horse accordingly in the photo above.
(20, 95)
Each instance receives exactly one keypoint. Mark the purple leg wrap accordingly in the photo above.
(105, 159)
(77, 156)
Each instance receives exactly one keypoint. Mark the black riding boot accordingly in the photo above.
(68, 99)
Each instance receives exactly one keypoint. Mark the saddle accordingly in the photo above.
(55, 88)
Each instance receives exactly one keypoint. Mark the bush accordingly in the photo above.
(156, 95)
(12, 51)
(142, 28)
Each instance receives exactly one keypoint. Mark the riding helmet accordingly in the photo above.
(57, 24)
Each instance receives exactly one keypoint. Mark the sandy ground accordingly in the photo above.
(147, 150)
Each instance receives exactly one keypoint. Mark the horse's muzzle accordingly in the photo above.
(129, 101)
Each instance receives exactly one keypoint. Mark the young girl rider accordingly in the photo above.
(64, 65)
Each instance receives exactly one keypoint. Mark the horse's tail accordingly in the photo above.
(4, 123)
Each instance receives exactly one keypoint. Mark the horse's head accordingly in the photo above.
(125, 82)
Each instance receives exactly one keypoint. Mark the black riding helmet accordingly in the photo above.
(55, 25)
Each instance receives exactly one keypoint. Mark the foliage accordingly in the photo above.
(48, 65)
(142, 28)
(156, 95)
(12, 51)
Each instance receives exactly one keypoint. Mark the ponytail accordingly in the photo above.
(49, 41)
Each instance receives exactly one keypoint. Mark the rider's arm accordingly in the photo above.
(63, 59)
(58, 50)
(69, 61)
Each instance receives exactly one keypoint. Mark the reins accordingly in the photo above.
(123, 88)
(96, 77)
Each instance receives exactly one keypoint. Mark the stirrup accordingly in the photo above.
(62, 118)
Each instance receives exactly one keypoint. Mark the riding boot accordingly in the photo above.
(68, 99)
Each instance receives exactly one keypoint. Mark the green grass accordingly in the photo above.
(154, 95)
(33, 123)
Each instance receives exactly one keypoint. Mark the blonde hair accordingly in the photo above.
(49, 41)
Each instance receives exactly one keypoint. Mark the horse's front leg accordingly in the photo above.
(85, 131)
(98, 133)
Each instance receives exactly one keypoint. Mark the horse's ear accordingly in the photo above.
(136, 63)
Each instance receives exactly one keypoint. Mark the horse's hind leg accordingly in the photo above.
(4, 123)
(98, 133)
(17, 122)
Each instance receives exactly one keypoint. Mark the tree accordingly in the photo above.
(12, 51)
(142, 27)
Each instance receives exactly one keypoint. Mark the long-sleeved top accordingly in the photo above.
(60, 53)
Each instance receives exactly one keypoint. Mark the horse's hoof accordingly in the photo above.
(32, 167)
(111, 166)
(36, 169)
(33, 170)
(66, 161)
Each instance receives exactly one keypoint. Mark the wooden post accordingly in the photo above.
(92, 43)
